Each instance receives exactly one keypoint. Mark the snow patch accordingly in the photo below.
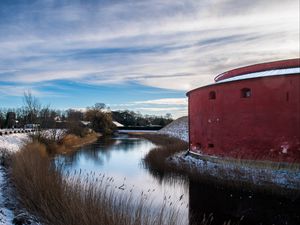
(54, 134)
(284, 148)
(283, 178)
(178, 129)
(6, 215)
(13, 142)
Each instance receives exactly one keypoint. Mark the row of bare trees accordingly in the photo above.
(32, 112)
(98, 117)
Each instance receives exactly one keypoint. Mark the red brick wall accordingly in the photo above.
(265, 126)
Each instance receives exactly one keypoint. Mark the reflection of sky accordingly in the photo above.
(122, 160)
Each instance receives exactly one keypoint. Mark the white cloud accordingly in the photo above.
(176, 112)
(165, 101)
(159, 109)
(149, 42)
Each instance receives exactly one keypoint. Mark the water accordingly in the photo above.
(121, 159)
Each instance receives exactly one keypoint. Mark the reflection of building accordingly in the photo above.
(251, 112)
(231, 205)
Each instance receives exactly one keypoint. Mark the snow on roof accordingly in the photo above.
(292, 66)
(267, 73)
(118, 124)
(85, 123)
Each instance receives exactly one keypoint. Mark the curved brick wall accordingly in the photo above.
(251, 119)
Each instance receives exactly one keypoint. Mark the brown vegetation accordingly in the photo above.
(71, 141)
(58, 199)
(66, 144)
(167, 146)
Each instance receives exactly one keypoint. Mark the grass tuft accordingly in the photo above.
(167, 147)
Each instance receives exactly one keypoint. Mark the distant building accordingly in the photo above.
(10, 120)
(251, 112)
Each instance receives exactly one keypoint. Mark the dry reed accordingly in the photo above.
(61, 199)
(167, 147)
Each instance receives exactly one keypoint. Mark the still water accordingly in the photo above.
(121, 159)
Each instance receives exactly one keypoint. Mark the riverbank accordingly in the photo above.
(171, 156)
(266, 177)
(11, 211)
(72, 142)
(63, 143)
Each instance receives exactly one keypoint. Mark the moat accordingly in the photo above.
(121, 159)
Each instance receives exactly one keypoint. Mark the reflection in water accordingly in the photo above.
(232, 205)
(121, 158)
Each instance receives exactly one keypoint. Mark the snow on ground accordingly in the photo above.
(8, 143)
(6, 215)
(284, 178)
(178, 128)
(13, 142)
(54, 134)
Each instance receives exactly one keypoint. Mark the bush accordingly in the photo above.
(77, 128)
(100, 121)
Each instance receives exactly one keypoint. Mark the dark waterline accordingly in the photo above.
(121, 158)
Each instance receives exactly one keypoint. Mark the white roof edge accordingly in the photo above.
(266, 73)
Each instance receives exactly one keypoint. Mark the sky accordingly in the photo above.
(138, 55)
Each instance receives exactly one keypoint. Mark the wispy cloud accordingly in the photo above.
(165, 101)
(176, 106)
(171, 44)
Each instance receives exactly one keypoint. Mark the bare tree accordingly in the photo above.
(32, 107)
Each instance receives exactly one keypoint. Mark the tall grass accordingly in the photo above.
(60, 199)
(167, 147)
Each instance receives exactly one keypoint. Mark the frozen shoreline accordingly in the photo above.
(227, 170)
(10, 211)
(8, 144)
(282, 178)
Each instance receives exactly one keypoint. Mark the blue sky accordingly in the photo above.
(140, 55)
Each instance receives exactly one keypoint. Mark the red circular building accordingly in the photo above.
(251, 112)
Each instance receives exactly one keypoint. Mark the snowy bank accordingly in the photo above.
(178, 128)
(54, 134)
(284, 178)
(10, 212)
(6, 215)
(8, 143)
(13, 142)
